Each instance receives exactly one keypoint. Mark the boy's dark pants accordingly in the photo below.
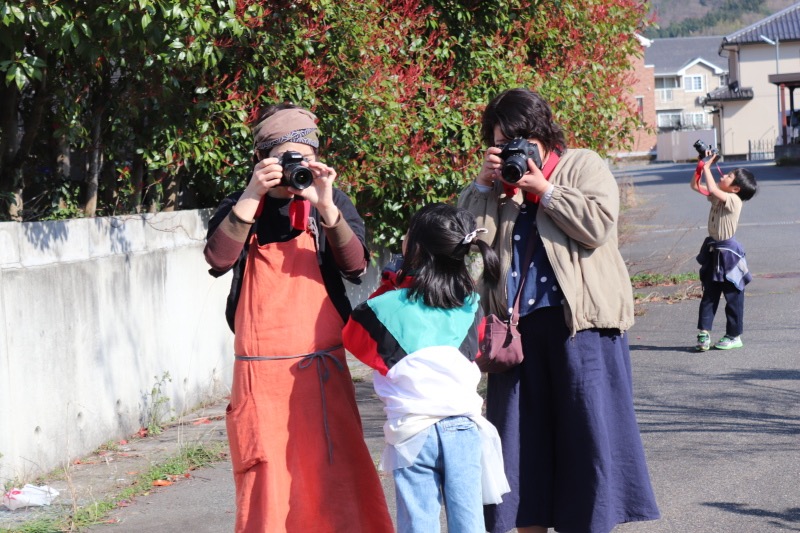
(734, 307)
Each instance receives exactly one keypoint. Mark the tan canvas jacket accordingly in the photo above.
(579, 231)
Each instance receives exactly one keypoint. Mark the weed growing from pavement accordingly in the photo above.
(158, 405)
(41, 525)
(109, 446)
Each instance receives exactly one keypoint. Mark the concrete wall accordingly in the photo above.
(679, 145)
(93, 314)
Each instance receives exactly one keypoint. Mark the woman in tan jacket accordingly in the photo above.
(571, 444)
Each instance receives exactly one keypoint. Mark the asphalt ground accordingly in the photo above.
(721, 429)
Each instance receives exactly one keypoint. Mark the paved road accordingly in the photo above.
(671, 220)
(721, 429)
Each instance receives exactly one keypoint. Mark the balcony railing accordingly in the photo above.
(664, 95)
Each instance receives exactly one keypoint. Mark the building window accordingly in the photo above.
(669, 120)
(640, 107)
(664, 87)
(667, 83)
(693, 84)
(698, 120)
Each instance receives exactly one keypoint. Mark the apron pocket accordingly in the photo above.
(244, 435)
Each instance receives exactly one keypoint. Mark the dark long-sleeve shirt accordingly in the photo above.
(341, 248)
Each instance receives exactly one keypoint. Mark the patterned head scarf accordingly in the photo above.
(286, 125)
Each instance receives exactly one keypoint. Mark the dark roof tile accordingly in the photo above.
(727, 94)
(783, 25)
(668, 56)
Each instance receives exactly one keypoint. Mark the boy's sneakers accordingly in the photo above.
(728, 343)
(703, 342)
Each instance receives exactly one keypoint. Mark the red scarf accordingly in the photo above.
(547, 171)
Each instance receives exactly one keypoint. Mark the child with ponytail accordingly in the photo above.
(420, 333)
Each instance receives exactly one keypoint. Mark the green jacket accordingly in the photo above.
(579, 231)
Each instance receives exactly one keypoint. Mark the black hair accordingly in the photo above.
(746, 181)
(266, 112)
(435, 256)
(522, 113)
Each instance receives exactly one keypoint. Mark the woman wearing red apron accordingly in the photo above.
(299, 459)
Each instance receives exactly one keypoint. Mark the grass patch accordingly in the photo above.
(640, 281)
(691, 291)
(681, 287)
(190, 458)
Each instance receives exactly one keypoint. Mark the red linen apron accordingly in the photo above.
(299, 458)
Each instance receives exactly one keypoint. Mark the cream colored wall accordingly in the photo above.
(686, 101)
(757, 119)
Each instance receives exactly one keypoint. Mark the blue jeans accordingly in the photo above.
(447, 468)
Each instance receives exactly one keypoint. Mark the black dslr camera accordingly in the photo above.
(701, 148)
(294, 174)
(515, 157)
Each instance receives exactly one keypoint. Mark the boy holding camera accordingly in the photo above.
(723, 268)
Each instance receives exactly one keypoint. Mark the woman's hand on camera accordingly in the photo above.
(533, 181)
(490, 171)
(266, 175)
(320, 193)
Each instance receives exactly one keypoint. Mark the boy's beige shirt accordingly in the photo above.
(723, 217)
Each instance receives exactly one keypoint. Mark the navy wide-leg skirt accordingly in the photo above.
(571, 444)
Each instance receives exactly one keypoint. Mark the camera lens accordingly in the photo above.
(514, 168)
(301, 177)
(701, 148)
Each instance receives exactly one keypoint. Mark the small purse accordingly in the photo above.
(501, 347)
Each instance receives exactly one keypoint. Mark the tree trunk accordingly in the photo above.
(95, 162)
(17, 147)
(9, 145)
(110, 190)
(15, 196)
(63, 167)
(171, 190)
(137, 183)
(152, 198)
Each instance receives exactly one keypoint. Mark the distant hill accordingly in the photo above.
(687, 18)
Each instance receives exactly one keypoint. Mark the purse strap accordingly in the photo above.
(514, 318)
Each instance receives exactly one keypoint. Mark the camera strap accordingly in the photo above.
(299, 211)
(698, 172)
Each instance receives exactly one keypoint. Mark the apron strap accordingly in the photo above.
(306, 360)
